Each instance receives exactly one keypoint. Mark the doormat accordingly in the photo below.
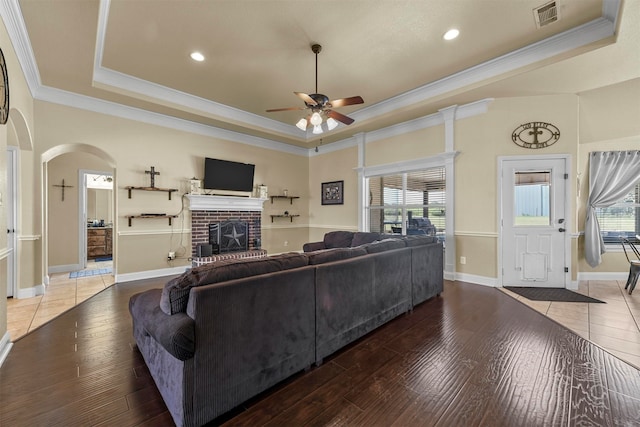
(106, 258)
(552, 294)
(87, 273)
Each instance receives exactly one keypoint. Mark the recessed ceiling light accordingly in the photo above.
(197, 56)
(451, 34)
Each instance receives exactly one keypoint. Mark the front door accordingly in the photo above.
(534, 250)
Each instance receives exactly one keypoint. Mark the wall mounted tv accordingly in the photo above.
(227, 175)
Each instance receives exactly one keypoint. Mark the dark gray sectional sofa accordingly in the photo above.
(221, 333)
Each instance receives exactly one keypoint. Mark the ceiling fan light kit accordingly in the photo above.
(321, 107)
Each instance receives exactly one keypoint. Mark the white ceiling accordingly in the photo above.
(391, 52)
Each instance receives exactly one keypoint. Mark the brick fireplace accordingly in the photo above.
(210, 211)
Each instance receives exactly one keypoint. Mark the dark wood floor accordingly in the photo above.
(474, 356)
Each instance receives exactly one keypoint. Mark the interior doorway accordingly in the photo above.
(96, 216)
(534, 240)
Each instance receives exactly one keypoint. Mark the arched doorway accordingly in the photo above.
(62, 219)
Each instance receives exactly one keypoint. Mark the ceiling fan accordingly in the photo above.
(321, 107)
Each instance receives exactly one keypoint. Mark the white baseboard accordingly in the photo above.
(150, 274)
(478, 280)
(5, 346)
(64, 268)
(614, 275)
(34, 291)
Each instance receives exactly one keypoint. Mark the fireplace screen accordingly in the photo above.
(230, 236)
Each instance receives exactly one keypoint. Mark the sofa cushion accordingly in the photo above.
(338, 239)
(384, 245)
(313, 246)
(176, 334)
(362, 237)
(328, 255)
(419, 240)
(175, 294)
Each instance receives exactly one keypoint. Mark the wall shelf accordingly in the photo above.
(170, 217)
(283, 216)
(168, 190)
(284, 197)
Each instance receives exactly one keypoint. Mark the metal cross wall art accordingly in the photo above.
(535, 135)
(63, 186)
(153, 174)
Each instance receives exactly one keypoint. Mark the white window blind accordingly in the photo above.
(621, 219)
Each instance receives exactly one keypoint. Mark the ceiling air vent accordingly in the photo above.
(546, 14)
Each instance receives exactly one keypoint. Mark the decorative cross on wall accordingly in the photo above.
(63, 186)
(153, 174)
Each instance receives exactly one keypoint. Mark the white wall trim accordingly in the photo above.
(64, 268)
(4, 252)
(26, 237)
(477, 234)
(284, 226)
(407, 166)
(31, 292)
(477, 280)
(596, 275)
(150, 274)
(335, 227)
(5, 347)
(152, 232)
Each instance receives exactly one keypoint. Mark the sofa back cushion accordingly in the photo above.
(384, 245)
(175, 294)
(338, 239)
(419, 240)
(363, 237)
(328, 255)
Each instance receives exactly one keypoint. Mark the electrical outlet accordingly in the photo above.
(463, 260)
(286, 243)
(172, 255)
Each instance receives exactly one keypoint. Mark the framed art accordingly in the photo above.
(333, 193)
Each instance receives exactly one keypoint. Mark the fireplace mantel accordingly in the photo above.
(224, 203)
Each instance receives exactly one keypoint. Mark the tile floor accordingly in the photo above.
(26, 314)
(614, 326)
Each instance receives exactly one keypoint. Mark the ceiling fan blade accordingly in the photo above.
(286, 109)
(306, 98)
(346, 101)
(340, 117)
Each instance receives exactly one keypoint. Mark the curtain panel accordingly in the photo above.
(612, 174)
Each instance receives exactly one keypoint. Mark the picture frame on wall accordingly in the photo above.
(333, 193)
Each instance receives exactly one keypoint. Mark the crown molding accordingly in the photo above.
(408, 165)
(17, 30)
(462, 112)
(83, 102)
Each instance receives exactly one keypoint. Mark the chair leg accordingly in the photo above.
(633, 278)
(629, 278)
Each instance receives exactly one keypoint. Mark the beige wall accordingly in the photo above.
(327, 167)
(178, 156)
(480, 140)
(20, 116)
(413, 145)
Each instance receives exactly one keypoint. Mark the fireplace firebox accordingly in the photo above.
(229, 236)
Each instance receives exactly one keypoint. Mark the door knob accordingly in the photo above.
(562, 230)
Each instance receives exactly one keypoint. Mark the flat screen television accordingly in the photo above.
(227, 175)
